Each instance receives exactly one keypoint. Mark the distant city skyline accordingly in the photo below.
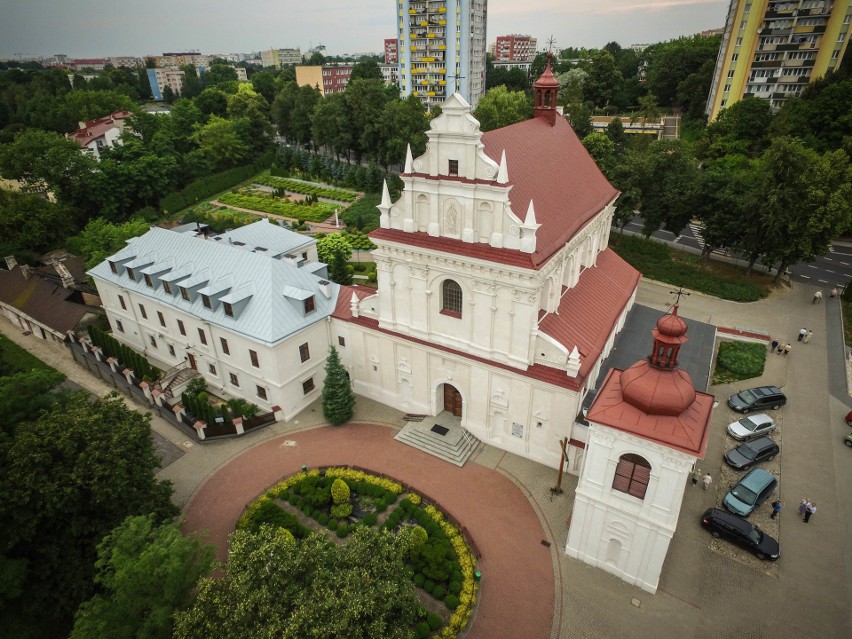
(97, 28)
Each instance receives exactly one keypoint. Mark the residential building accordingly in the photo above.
(48, 300)
(96, 64)
(279, 58)
(391, 51)
(102, 133)
(442, 49)
(161, 77)
(194, 58)
(329, 78)
(247, 309)
(390, 73)
(513, 64)
(772, 49)
(514, 48)
(126, 61)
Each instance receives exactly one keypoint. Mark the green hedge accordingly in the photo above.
(739, 360)
(125, 355)
(210, 185)
(307, 188)
(318, 212)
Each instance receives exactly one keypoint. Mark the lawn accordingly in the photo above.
(659, 262)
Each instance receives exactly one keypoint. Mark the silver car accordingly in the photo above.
(751, 427)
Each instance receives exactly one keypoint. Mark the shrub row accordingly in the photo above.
(318, 212)
(307, 188)
(111, 347)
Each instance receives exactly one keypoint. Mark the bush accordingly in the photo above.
(342, 530)
(451, 602)
(419, 580)
(340, 491)
(422, 630)
(429, 586)
(315, 213)
(739, 360)
(381, 506)
(370, 519)
(322, 518)
(341, 511)
(332, 523)
(438, 592)
(434, 621)
(455, 585)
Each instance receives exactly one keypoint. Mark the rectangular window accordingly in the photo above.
(304, 352)
(167, 288)
(254, 360)
(113, 267)
(131, 274)
(184, 293)
(261, 392)
(731, 73)
(121, 301)
(206, 301)
(171, 350)
(119, 326)
(211, 368)
(225, 348)
(181, 327)
(142, 311)
(148, 281)
(308, 386)
(229, 310)
(235, 381)
(153, 341)
(454, 167)
(309, 304)
(162, 319)
(202, 336)
(341, 341)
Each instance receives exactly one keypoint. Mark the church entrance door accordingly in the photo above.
(452, 400)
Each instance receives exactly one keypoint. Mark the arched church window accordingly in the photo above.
(451, 298)
(632, 475)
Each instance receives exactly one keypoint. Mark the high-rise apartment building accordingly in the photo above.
(280, 58)
(442, 49)
(391, 51)
(772, 49)
(514, 48)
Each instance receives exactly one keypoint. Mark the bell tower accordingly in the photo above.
(546, 89)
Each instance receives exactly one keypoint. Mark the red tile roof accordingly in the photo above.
(549, 165)
(588, 312)
(96, 128)
(686, 432)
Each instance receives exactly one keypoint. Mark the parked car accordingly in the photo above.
(752, 452)
(751, 491)
(741, 532)
(849, 418)
(757, 398)
(848, 440)
(751, 427)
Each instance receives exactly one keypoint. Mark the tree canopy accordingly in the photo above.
(500, 107)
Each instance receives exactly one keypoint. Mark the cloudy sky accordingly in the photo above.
(99, 28)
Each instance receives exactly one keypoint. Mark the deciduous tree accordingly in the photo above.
(500, 107)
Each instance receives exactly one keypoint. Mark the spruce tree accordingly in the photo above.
(338, 400)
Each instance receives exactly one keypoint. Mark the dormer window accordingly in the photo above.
(113, 267)
(205, 299)
(184, 293)
(229, 310)
(167, 287)
(148, 281)
(131, 274)
(454, 167)
(309, 304)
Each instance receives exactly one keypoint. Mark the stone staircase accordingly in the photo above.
(448, 441)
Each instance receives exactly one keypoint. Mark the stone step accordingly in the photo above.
(456, 450)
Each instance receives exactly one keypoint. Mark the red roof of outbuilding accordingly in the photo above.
(686, 432)
(549, 165)
(98, 127)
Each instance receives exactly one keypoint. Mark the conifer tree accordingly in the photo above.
(338, 400)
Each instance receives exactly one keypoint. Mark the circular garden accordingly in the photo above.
(336, 505)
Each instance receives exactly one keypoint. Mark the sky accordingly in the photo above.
(101, 28)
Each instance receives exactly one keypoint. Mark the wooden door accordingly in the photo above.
(452, 400)
(192, 364)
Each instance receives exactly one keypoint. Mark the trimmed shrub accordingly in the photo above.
(438, 592)
(422, 630)
(434, 621)
(370, 519)
(429, 586)
(341, 511)
(739, 360)
(340, 491)
(342, 530)
(322, 518)
(455, 586)
(451, 602)
(419, 580)
(332, 524)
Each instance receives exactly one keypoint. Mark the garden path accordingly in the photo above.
(324, 227)
(516, 598)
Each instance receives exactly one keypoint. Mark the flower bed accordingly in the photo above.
(307, 188)
(338, 499)
(318, 212)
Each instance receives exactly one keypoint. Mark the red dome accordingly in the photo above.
(671, 325)
(655, 391)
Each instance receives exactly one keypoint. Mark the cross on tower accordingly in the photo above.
(679, 292)
(550, 42)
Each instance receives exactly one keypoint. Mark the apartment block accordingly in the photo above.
(772, 49)
(391, 51)
(514, 48)
(329, 78)
(442, 49)
(280, 58)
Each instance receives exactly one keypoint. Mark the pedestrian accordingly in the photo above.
(780, 348)
(817, 297)
(810, 510)
(808, 337)
(777, 505)
(787, 348)
(803, 507)
(707, 479)
(833, 293)
(696, 475)
(802, 333)
(774, 344)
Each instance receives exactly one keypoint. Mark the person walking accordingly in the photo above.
(707, 479)
(696, 475)
(833, 293)
(808, 337)
(817, 297)
(774, 344)
(780, 348)
(787, 348)
(777, 505)
(810, 510)
(803, 507)
(802, 333)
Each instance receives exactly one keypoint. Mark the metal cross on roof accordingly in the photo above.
(679, 292)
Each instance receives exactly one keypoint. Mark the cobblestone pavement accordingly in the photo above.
(707, 589)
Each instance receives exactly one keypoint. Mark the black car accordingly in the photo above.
(752, 452)
(757, 398)
(741, 532)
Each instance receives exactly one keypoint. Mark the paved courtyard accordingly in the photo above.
(530, 590)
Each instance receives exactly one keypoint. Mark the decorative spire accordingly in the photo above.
(669, 336)
(384, 206)
(409, 161)
(503, 173)
(546, 88)
(528, 230)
